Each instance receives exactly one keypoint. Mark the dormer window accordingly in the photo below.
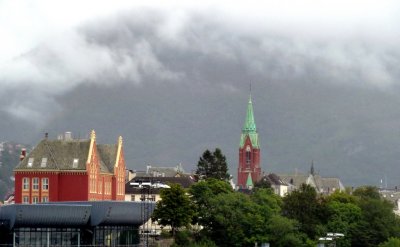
(44, 162)
(75, 163)
(30, 162)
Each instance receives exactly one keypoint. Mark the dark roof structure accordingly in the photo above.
(70, 154)
(185, 182)
(274, 179)
(74, 214)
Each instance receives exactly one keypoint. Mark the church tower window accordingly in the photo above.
(248, 155)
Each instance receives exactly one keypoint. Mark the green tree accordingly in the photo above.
(367, 192)
(234, 221)
(212, 165)
(201, 195)
(174, 209)
(304, 206)
(378, 222)
(343, 216)
(285, 232)
(391, 242)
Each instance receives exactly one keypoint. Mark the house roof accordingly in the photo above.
(275, 179)
(328, 184)
(108, 154)
(159, 171)
(62, 154)
(185, 182)
(296, 179)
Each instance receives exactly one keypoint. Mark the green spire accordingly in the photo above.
(249, 124)
(249, 182)
(249, 128)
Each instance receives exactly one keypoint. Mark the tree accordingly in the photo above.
(344, 217)
(212, 165)
(391, 242)
(174, 209)
(367, 192)
(285, 232)
(201, 195)
(378, 222)
(304, 206)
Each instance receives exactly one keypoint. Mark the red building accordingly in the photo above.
(70, 169)
(249, 169)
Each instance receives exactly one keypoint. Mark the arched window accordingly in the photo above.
(248, 155)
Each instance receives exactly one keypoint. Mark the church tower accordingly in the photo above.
(249, 170)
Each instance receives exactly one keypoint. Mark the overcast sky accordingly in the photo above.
(352, 35)
(51, 49)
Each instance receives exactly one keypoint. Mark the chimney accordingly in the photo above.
(23, 154)
(68, 136)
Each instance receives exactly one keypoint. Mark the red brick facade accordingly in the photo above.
(93, 181)
(248, 163)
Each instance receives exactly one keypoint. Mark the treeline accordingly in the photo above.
(210, 213)
(9, 158)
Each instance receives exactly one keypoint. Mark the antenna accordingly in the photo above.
(250, 86)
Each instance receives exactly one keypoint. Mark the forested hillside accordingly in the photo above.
(9, 158)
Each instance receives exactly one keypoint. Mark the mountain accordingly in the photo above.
(9, 158)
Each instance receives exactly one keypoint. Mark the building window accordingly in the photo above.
(132, 198)
(35, 200)
(25, 183)
(44, 162)
(248, 155)
(45, 184)
(45, 199)
(35, 184)
(30, 162)
(75, 163)
(25, 199)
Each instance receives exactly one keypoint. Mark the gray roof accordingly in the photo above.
(61, 154)
(108, 155)
(328, 185)
(275, 179)
(185, 182)
(74, 214)
(296, 179)
(322, 184)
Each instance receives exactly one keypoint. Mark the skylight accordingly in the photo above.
(30, 162)
(75, 163)
(44, 162)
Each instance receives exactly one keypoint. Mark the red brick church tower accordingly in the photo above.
(249, 169)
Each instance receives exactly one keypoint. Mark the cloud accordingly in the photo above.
(51, 48)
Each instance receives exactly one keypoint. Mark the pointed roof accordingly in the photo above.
(249, 182)
(249, 127)
(249, 124)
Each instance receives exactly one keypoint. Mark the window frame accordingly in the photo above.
(35, 186)
(25, 199)
(25, 184)
(45, 182)
(35, 199)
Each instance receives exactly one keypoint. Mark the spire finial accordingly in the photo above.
(312, 171)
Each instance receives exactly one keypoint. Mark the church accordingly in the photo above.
(249, 170)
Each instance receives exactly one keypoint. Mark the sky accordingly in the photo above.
(59, 57)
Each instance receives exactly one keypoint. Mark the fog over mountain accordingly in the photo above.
(174, 80)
